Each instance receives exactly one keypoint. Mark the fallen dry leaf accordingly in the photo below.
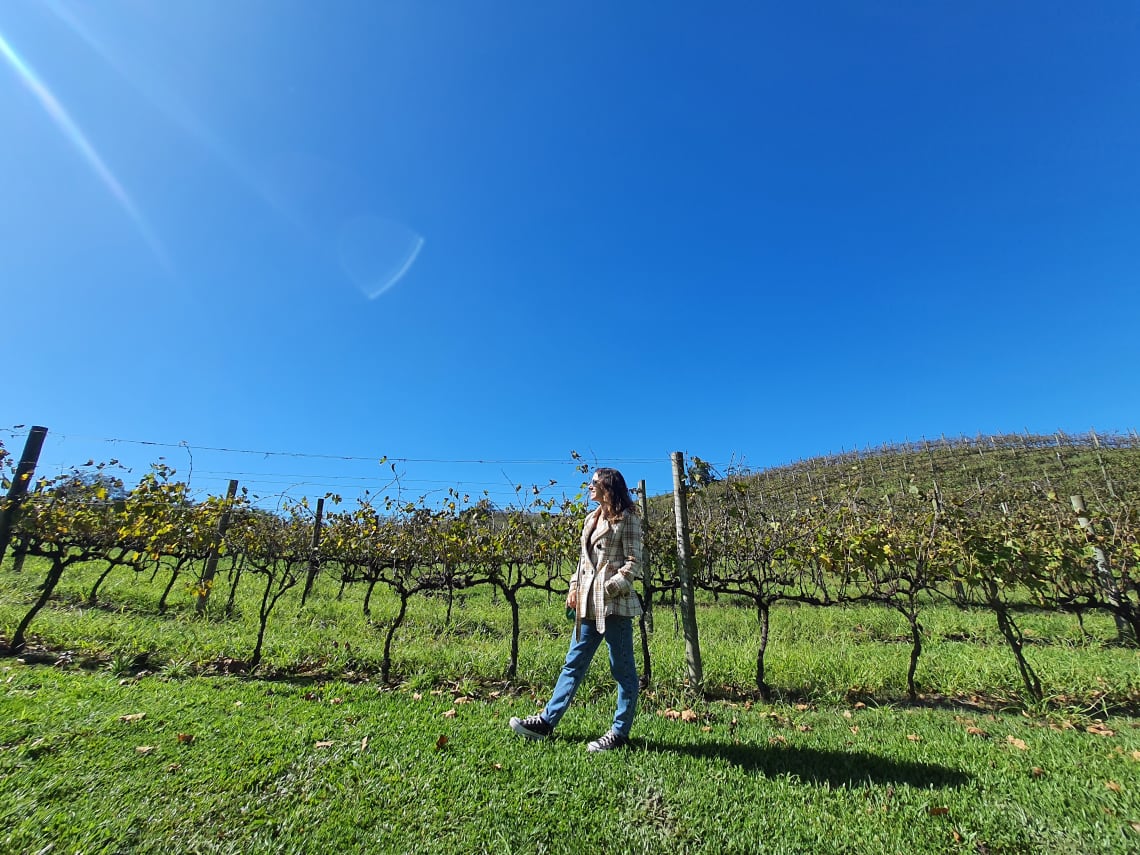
(938, 811)
(1100, 730)
(1136, 756)
(669, 713)
(803, 728)
(802, 707)
(848, 714)
(441, 743)
(450, 713)
(1135, 826)
(1017, 743)
(363, 743)
(145, 749)
(706, 729)
(336, 701)
(1036, 771)
(139, 716)
(1112, 785)
(186, 738)
(464, 699)
(688, 715)
(777, 739)
(416, 696)
(976, 731)
(914, 737)
(173, 767)
(855, 729)
(324, 743)
(860, 706)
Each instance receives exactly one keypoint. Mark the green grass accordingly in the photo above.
(312, 755)
(225, 764)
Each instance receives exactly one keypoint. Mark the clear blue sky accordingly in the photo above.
(504, 231)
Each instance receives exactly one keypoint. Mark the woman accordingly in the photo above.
(604, 603)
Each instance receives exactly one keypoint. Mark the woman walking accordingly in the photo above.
(605, 604)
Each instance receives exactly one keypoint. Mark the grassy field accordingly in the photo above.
(137, 741)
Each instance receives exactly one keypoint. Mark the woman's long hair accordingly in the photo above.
(613, 494)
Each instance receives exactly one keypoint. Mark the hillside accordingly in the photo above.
(1102, 468)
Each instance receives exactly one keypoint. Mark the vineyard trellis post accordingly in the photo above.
(647, 573)
(684, 574)
(646, 621)
(1103, 571)
(314, 558)
(211, 568)
(19, 488)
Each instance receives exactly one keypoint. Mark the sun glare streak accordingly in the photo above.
(79, 141)
(165, 101)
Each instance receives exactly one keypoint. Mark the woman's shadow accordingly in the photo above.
(835, 768)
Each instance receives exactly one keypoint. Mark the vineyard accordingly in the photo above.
(1003, 526)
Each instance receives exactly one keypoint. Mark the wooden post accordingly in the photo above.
(647, 572)
(211, 568)
(24, 471)
(688, 605)
(646, 622)
(314, 557)
(1103, 572)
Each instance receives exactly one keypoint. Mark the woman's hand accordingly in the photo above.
(572, 599)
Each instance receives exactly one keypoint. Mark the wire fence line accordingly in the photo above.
(208, 468)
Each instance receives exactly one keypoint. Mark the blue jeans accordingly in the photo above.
(619, 638)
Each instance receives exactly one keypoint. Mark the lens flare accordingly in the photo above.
(376, 253)
(79, 141)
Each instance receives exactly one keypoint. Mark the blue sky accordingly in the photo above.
(456, 231)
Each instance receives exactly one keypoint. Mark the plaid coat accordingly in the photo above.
(609, 562)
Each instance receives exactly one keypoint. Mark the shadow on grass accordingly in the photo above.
(834, 768)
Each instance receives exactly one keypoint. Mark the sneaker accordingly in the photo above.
(532, 727)
(608, 742)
